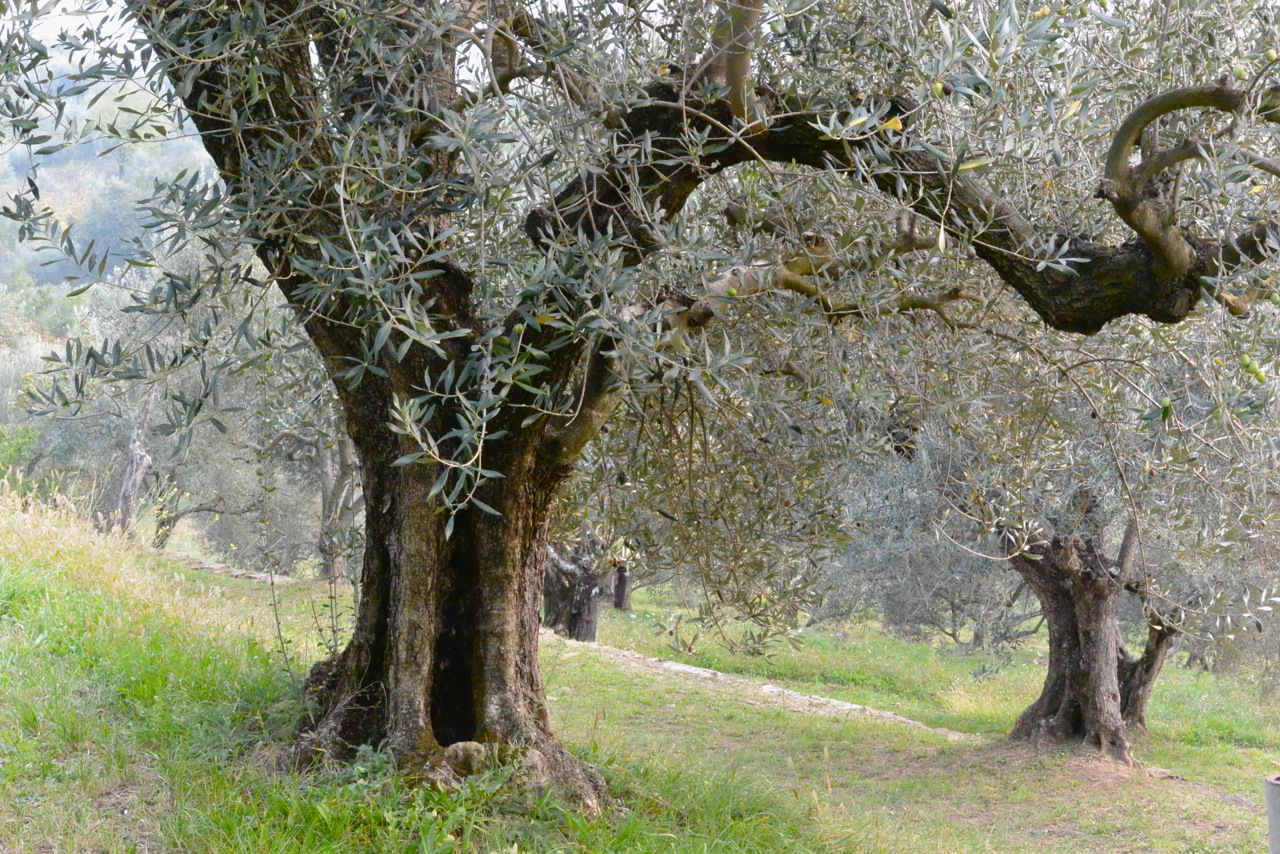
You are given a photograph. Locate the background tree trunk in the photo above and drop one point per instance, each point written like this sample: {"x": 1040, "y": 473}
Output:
{"x": 574, "y": 587}
{"x": 339, "y": 505}
{"x": 137, "y": 466}
{"x": 622, "y": 589}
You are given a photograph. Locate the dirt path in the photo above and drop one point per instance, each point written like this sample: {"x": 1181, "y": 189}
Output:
{"x": 753, "y": 692}
{"x": 187, "y": 562}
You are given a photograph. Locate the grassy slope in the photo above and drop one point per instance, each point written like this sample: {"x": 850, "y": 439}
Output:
{"x": 145, "y": 708}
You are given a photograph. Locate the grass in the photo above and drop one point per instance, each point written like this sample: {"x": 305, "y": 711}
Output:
{"x": 145, "y": 707}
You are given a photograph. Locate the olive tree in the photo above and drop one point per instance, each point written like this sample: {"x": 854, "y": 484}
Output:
{"x": 467, "y": 206}
{"x": 1106, "y": 483}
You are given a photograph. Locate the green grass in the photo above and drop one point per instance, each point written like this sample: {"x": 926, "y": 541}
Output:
{"x": 143, "y": 707}
{"x": 147, "y": 707}
{"x": 855, "y": 663}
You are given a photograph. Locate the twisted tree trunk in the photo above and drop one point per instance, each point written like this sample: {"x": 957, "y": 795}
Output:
{"x": 442, "y": 668}
{"x": 1094, "y": 691}
{"x": 1081, "y": 698}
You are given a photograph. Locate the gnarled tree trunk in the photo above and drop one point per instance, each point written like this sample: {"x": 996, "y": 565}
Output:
{"x": 444, "y": 653}
{"x": 573, "y": 588}
{"x": 1094, "y": 691}
{"x": 1081, "y": 698}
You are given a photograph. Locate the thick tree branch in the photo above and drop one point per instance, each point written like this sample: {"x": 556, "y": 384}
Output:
{"x": 600, "y": 394}
{"x": 1130, "y": 554}
{"x": 1093, "y": 285}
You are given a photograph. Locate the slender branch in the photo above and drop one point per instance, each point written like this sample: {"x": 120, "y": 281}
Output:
{"x": 541, "y": 38}
{"x": 1263, "y": 164}
{"x": 1148, "y": 169}
{"x": 298, "y": 440}
{"x": 804, "y": 271}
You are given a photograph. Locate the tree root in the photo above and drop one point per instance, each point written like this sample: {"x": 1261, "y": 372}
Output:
{"x": 537, "y": 770}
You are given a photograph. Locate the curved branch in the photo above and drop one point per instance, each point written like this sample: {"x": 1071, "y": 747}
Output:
{"x": 541, "y": 39}
{"x": 1116, "y": 168}
{"x": 1081, "y": 293}
{"x": 1147, "y": 206}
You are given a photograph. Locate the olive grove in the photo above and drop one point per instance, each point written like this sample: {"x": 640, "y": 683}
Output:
{"x": 1130, "y": 497}
{"x": 498, "y": 223}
